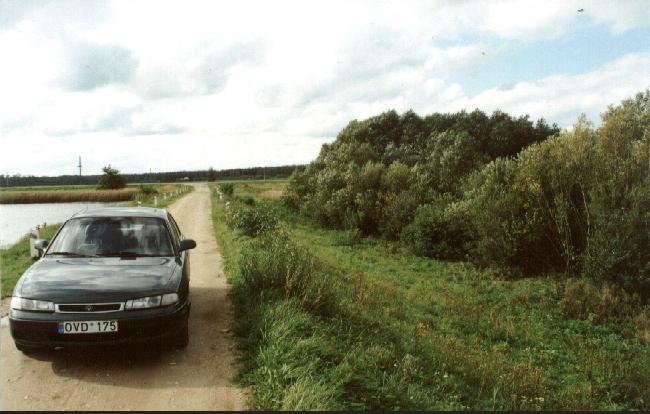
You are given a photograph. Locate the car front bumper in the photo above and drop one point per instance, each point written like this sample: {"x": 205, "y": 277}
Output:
{"x": 35, "y": 329}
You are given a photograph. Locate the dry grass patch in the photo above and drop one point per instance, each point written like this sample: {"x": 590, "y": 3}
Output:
{"x": 26, "y": 197}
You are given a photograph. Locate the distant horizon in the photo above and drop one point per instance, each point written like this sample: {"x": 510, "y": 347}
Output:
{"x": 155, "y": 172}
{"x": 193, "y": 171}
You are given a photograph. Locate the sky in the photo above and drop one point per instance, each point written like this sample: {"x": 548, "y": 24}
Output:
{"x": 187, "y": 85}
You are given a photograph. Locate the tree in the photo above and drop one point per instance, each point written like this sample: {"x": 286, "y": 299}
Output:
{"x": 212, "y": 175}
{"x": 111, "y": 179}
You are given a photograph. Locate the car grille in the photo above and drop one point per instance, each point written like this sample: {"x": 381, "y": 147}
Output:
{"x": 89, "y": 307}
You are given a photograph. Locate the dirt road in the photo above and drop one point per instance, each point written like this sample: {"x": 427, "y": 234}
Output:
{"x": 142, "y": 378}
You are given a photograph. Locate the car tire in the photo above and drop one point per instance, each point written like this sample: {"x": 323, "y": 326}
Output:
{"x": 183, "y": 338}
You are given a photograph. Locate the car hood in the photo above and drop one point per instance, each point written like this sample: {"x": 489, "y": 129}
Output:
{"x": 82, "y": 280}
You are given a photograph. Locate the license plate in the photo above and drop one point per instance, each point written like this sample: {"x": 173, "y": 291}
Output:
{"x": 83, "y": 327}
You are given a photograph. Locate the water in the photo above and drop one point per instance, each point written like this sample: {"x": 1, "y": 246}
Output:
{"x": 16, "y": 220}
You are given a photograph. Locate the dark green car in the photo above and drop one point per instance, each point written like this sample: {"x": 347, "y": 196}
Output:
{"x": 109, "y": 276}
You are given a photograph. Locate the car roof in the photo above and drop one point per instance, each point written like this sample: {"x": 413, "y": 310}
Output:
{"x": 122, "y": 212}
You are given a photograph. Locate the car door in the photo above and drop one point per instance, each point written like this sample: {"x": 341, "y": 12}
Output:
{"x": 184, "y": 255}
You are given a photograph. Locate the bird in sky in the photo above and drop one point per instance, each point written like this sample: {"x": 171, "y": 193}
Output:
{"x": 581, "y": 10}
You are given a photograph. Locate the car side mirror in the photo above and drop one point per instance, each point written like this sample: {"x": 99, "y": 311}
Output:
{"x": 187, "y": 244}
{"x": 40, "y": 245}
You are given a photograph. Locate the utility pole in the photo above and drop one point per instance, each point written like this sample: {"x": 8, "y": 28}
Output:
{"x": 79, "y": 167}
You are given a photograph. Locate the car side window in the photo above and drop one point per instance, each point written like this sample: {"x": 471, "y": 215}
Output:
{"x": 175, "y": 230}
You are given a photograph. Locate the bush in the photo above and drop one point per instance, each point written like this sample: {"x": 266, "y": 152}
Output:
{"x": 554, "y": 179}
{"x": 248, "y": 200}
{"x": 619, "y": 204}
{"x": 111, "y": 179}
{"x": 582, "y": 299}
{"x": 439, "y": 230}
{"x": 148, "y": 189}
{"x": 398, "y": 212}
{"x": 227, "y": 189}
{"x": 618, "y": 244}
{"x": 530, "y": 212}
{"x": 252, "y": 221}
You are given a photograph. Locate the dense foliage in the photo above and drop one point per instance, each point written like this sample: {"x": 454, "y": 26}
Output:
{"x": 252, "y": 221}
{"x": 326, "y": 320}
{"x": 111, "y": 179}
{"x": 496, "y": 190}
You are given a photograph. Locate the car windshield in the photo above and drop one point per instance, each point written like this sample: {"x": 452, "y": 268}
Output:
{"x": 113, "y": 236}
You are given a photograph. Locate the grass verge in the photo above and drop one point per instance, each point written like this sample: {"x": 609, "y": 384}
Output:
{"x": 16, "y": 259}
{"x": 328, "y": 321}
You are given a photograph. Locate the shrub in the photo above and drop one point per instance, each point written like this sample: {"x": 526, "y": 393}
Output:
{"x": 148, "y": 189}
{"x": 398, "y": 211}
{"x": 642, "y": 324}
{"x": 111, "y": 179}
{"x": 227, "y": 189}
{"x": 297, "y": 189}
{"x": 582, "y": 299}
{"x": 618, "y": 244}
{"x": 252, "y": 221}
{"x": 554, "y": 179}
{"x": 438, "y": 230}
{"x": 617, "y": 248}
{"x": 502, "y": 229}
{"x": 248, "y": 200}
{"x": 531, "y": 212}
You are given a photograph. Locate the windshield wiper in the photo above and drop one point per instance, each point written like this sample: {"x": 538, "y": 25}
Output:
{"x": 71, "y": 254}
{"x": 126, "y": 254}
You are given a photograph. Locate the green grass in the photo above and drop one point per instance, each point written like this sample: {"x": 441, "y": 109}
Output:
{"x": 16, "y": 259}
{"x": 405, "y": 332}
{"x": 165, "y": 194}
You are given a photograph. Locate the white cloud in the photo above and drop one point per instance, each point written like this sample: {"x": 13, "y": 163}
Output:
{"x": 183, "y": 85}
{"x": 561, "y": 97}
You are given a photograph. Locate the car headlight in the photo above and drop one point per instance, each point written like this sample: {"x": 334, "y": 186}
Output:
{"x": 169, "y": 299}
{"x": 151, "y": 302}
{"x": 31, "y": 305}
{"x": 143, "y": 303}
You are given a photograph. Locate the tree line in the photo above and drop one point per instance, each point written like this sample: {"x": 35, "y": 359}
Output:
{"x": 252, "y": 173}
{"x": 494, "y": 189}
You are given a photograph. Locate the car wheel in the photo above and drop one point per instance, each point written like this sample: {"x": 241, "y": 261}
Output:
{"x": 183, "y": 337}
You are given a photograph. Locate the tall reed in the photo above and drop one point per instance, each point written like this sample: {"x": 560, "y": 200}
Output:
{"x": 26, "y": 197}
